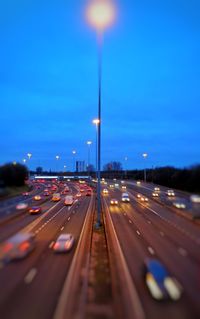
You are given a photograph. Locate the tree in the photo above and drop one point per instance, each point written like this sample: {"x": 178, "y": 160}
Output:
{"x": 13, "y": 174}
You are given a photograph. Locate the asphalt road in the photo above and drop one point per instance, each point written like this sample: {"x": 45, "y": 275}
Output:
{"x": 153, "y": 230}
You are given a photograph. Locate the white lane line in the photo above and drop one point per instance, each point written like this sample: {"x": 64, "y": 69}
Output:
{"x": 51, "y": 244}
{"x": 182, "y": 252}
{"x": 130, "y": 221}
{"x": 62, "y": 228}
{"x": 137, "y": 231}
{"x": 150, "y": 249}
{"x": 148, "y": 221}
{"x": 162, "y": 234}
{"x": 30, "y": 276}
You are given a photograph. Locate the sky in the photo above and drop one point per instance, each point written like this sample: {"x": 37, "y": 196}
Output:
{"x": 150, "y": 83}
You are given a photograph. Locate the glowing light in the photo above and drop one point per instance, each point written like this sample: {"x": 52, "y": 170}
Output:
{"x": 101, "y": 13}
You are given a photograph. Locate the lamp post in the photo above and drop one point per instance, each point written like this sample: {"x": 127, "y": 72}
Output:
{"x": 89, "y": 143}
{"x": 74, "y": 154}
{"x": 100, "y": 14}
{"x": 126, "y": 159}
{"x": 145, "y": 175}
{"x": 29, "y": 157}
{"x": 57, "y": 159}
{"x": 96, "y": 122}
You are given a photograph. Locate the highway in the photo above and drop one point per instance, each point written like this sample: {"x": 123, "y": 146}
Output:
{"x": 33, "y": 287}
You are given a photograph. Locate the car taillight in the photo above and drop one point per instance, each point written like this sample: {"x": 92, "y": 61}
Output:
{"x": 56, "y": 245}
{"x": 7, "y": 247}
{"x": 24, "y": 246}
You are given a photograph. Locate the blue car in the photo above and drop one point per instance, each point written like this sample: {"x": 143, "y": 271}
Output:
{"x": 160, "y": 284}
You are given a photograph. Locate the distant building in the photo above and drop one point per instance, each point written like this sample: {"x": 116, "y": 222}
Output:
{"x": 80, "y": 166}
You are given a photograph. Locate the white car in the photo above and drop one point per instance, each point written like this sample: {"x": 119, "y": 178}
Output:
{"x": 157, "y": 189}
{"x": 195, "y": 199}
{"x": 123, "y": 186}
{"x": 125, "y": 198}
{"x": 63, "y": 243}
{"x": 21, "y": 206}
{"x": 69, "y": 200}
{"x": 138, "y": 183}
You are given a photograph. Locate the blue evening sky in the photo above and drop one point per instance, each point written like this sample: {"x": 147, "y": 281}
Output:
{"x": 151, "y": 77}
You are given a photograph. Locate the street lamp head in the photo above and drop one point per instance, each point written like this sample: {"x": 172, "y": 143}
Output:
{"x": 96, "y": 121}
{"x": 73, "y": 152}
{"x": 145, "y": 155}
{"x": 101, "y": 13}
{"x": 57, "y": 157}
{"x": 29, "y": 155}
{"x": 89, "y": 142}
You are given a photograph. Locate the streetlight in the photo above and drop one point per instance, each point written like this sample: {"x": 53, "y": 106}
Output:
{"x": 96, "y": 122}
{"x": 100, "y": 15}
{"x": 126, "y": 159}
{"x": 24, "y": 160}
{"x": 29, "y": 157}
{"x": 74, "y": 154}
{"x": 145, "y": 175}
{"x": 57, "y": 159}
{"x": 89, "y": 143}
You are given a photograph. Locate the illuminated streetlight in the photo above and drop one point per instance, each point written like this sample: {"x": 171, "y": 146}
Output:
{"x": 24, "y": 160}
{"x": 145, "y": 175}
{"x": 100, "y": 15}
{"x": 89, "y": 143}
{"x": 74, "y": 155}
{"x": 126, "y": 159}
{"x": 29, "y": 155}
{"x": 96, "y": 122}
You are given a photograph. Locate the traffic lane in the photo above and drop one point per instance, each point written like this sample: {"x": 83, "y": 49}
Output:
{"x": 135, "y": 250}
{"x": 163, "y": 198}
{"x": 183, "y": 243}
{"x": 14, "y": 225}
{"x": 184, "y": 225}
{"x": 18, "y": 270}
{"x": 167, "y": 252}
{"x": 51, "y": 271}
{"x": 10, "y": 209}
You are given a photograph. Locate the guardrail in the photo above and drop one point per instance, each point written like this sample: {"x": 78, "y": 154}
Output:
{"x": 124, "y": 291}
{"x": 73, "y": 297}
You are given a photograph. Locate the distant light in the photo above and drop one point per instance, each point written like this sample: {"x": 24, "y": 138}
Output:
{"x": 57, "y": 157}
{"x": 24, "y": 160}
{"x": 101, "y": 13}
{"x": 14, "y": 163}
{"x": 89, "y": 142}
{"x": 145, "y": 155}
{"x": 74, "y": 152}
{"x": 29, "y": 155}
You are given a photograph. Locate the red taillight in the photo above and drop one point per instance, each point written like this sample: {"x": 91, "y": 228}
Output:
{"x": 56, "y": 245}
{"x": 7, "y": 247}
{"x": 24, "y": 246}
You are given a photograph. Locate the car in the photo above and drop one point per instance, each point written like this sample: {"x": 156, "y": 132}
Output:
{"x": 116, "y": 185}
{"x": 160, "y": 284}
{"x": 138, "y": 183}
{"x": 25, "y": 193}
{"x": 68, "y": 200}
{"x": 157, "y": 189}
{"x": 170, "y": 193}
{"x": 46, "y": 193}
{"x": 179, "y": 204}
{"x": 37, "y": 197}
{"x": 56, "y": 197}
{"x": 35, "y": 210}
{"x": 114, "y": 201}
{"x": 105, "y": 191}
{"x": 78, "y": 194}
{"x": 17, "y": 247}
{"x": 123, "y": 187}
{"x": 155, "y": 194}
{"x": 64, "y": 243}
{"x": 111, "y": 185}
{"x": 195, "y": 199}
{"x": 125, "y": 198}
{"x": 21, "y": 206}
{"x": 144, "y": 199}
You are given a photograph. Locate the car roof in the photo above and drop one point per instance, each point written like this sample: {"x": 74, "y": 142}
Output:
{"x": 125, "y": 194}
{"x": 156, "y": 268}
{"x": 64, "y": 236}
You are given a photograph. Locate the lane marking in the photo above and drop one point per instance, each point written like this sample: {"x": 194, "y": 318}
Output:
{"x": 137, "y": 231}
{"x": 30, "y": 276}
{"x": 130, "y": 221}
{"x": 162, "y": 234}
{"x": 62, "y": 228}
{"x": 182, "y": 252}
{"x": 68, "y": 218}
{"x": 150, "y": 249}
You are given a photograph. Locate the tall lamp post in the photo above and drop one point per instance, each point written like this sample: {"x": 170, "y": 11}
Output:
{"x": 100, "y": 14}
{"x": 145, "y": 174}
{"x": 89, "y": 143}
{"x": 57, "y": 159}
{"x": 96, "y": 122}
{"x": 126, "y": 159}
{"x": 74, "y": 154}
{"x": 29, "y": 157}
